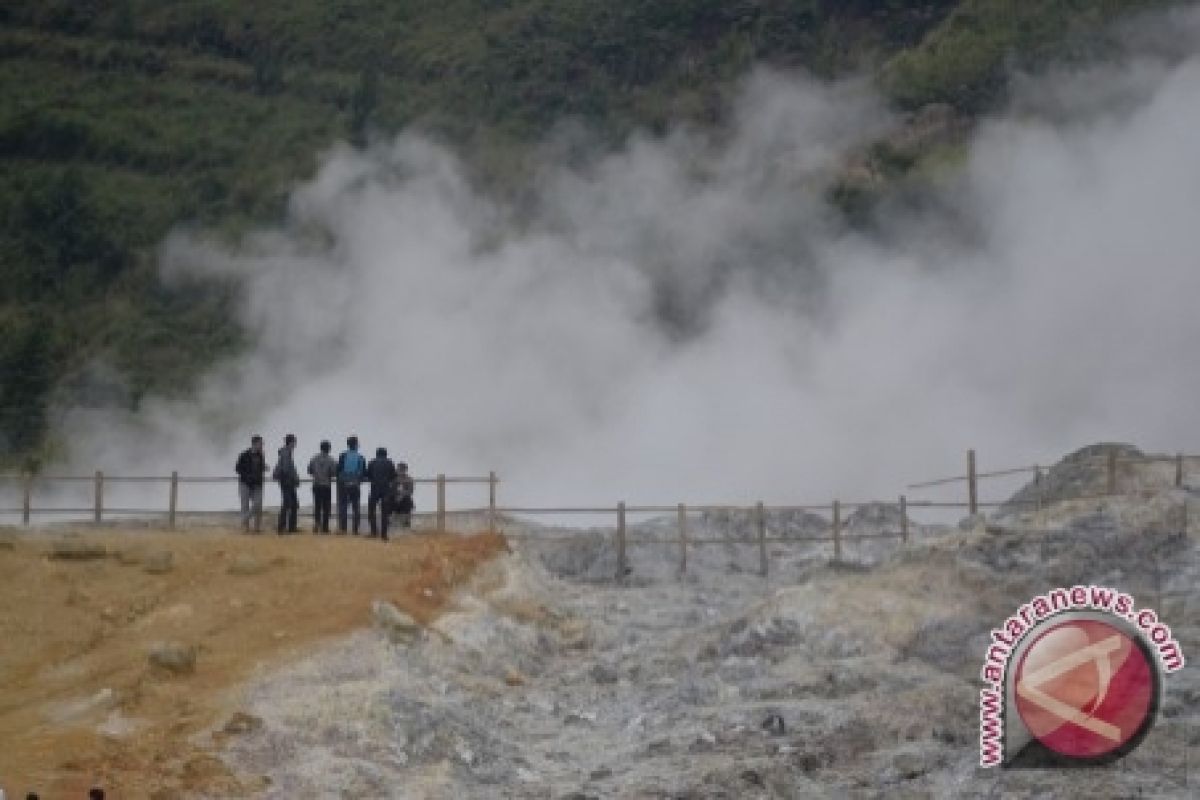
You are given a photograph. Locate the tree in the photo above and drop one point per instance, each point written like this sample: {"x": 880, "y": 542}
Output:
{"x": 363, "y": 105}
{"x": 268, "y": 69}
{"x": 26, "y": 369}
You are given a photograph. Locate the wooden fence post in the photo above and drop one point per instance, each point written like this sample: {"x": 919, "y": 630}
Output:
{"x": 441, "y": 502}
{"x": 972, "y": 484}
{"x": 1037, "y": 489}
{"x": 492, "y": 501}
{"x": 27, "y": 501}
{"x": 837, "y": 531}
{"x": 682, "y": 539}
{"x": 99, "y": 496}
{"x": 622, "y": 566}
{"x": 1179, "y": 469}
{"x": 1112, "y": 471}
{"x": 903, "y": 519}
{"x": 173, "y": 501}
{"x": 761, "y": 520}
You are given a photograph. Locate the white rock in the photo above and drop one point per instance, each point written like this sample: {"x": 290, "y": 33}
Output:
{"x": 398, "y": 626}
{"x": 173, "y": 657}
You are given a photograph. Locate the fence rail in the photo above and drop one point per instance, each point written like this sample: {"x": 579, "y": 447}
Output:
{"x": 99, "y": 480}
{"x": 757, "y": 512}
{"x": 196, "y": 478}
{"x": 1111, "y": 460}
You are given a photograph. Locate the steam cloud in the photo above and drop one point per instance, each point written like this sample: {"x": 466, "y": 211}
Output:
{"x": 688, "y": 320}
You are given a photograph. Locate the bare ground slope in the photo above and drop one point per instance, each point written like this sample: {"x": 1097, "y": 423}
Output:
{"x": 80, "y": 701}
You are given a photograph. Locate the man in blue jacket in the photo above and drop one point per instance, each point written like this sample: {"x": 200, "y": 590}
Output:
{"x": 352, "y": 468}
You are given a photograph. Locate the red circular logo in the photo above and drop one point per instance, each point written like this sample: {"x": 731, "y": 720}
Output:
{"x": 1086, "y": 689}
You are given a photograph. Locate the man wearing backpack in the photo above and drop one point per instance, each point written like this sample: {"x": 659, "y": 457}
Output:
{"x": 251, "y": 464}
{"x": 288, "y": 478}
{"x": 323, "y": 470}
{"x": 351, "y": 469}
{"x": 381, "y": 472}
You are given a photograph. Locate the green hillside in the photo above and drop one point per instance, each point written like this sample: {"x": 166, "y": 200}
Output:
{"x": 122, "y": 119}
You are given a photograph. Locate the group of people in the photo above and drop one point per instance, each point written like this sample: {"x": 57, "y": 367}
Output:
{"x": 390, "y": 487}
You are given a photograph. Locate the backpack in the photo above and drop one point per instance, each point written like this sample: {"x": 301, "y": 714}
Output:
{"x": 353, "y": 467}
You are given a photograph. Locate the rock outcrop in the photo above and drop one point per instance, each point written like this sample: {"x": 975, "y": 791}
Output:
{"x": 399, "y": 627}
{"x": 173, "y": 657}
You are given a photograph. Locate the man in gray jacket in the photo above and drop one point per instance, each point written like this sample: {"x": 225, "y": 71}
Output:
{"x": 289, "y": 480}
{"x": 323, "y": 469}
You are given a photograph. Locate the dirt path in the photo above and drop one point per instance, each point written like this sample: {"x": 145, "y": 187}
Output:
{"x": 81, "y": 704}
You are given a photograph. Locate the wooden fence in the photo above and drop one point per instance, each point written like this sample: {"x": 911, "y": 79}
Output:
{"x": 1111, "y": 461}
{"x": 172, "y": 511}
{"x": 756, "y": 512}
{"x": 492, "y": 512}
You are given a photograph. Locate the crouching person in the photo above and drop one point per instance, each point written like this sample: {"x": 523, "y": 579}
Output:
{"x": 402, "y": 496}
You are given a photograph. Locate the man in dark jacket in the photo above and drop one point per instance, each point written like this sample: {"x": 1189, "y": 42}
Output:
{"x": 250, "y": 468}
{"x": 289, "y": 481}
{"x": 351, "y": 469}
{"x": 323, "y": 469}
{"x": 381, "y": 472}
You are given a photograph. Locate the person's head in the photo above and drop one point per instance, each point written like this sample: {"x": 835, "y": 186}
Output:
{"x": 326, "y": 447}
{"x": 352, "y": 442}
{"x": 402, "y": 467}
{"x": 381, "y": 452}
{"x": 95, "y": 793}
{"x": 256, "y": 443}
{"x": 32, "y": 796}
{"x": 289, "y": 440}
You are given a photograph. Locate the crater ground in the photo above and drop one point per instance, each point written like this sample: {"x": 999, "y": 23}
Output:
{"x": 853, "y": 678}
{"x": 526, "y": 669}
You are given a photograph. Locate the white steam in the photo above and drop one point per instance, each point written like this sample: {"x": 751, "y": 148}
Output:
{"x": 688, "y": 320}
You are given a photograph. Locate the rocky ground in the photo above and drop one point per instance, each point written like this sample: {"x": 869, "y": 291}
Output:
{"x": 856, "y": 678}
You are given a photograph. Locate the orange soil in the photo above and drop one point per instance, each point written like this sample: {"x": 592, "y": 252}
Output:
{"x": 74, "y": 637}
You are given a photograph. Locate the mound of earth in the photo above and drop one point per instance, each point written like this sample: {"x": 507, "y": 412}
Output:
{"x": 122, "y": 653}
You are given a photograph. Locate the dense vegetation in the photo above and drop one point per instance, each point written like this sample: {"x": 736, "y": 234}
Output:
{"x": 123, "y": 118}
